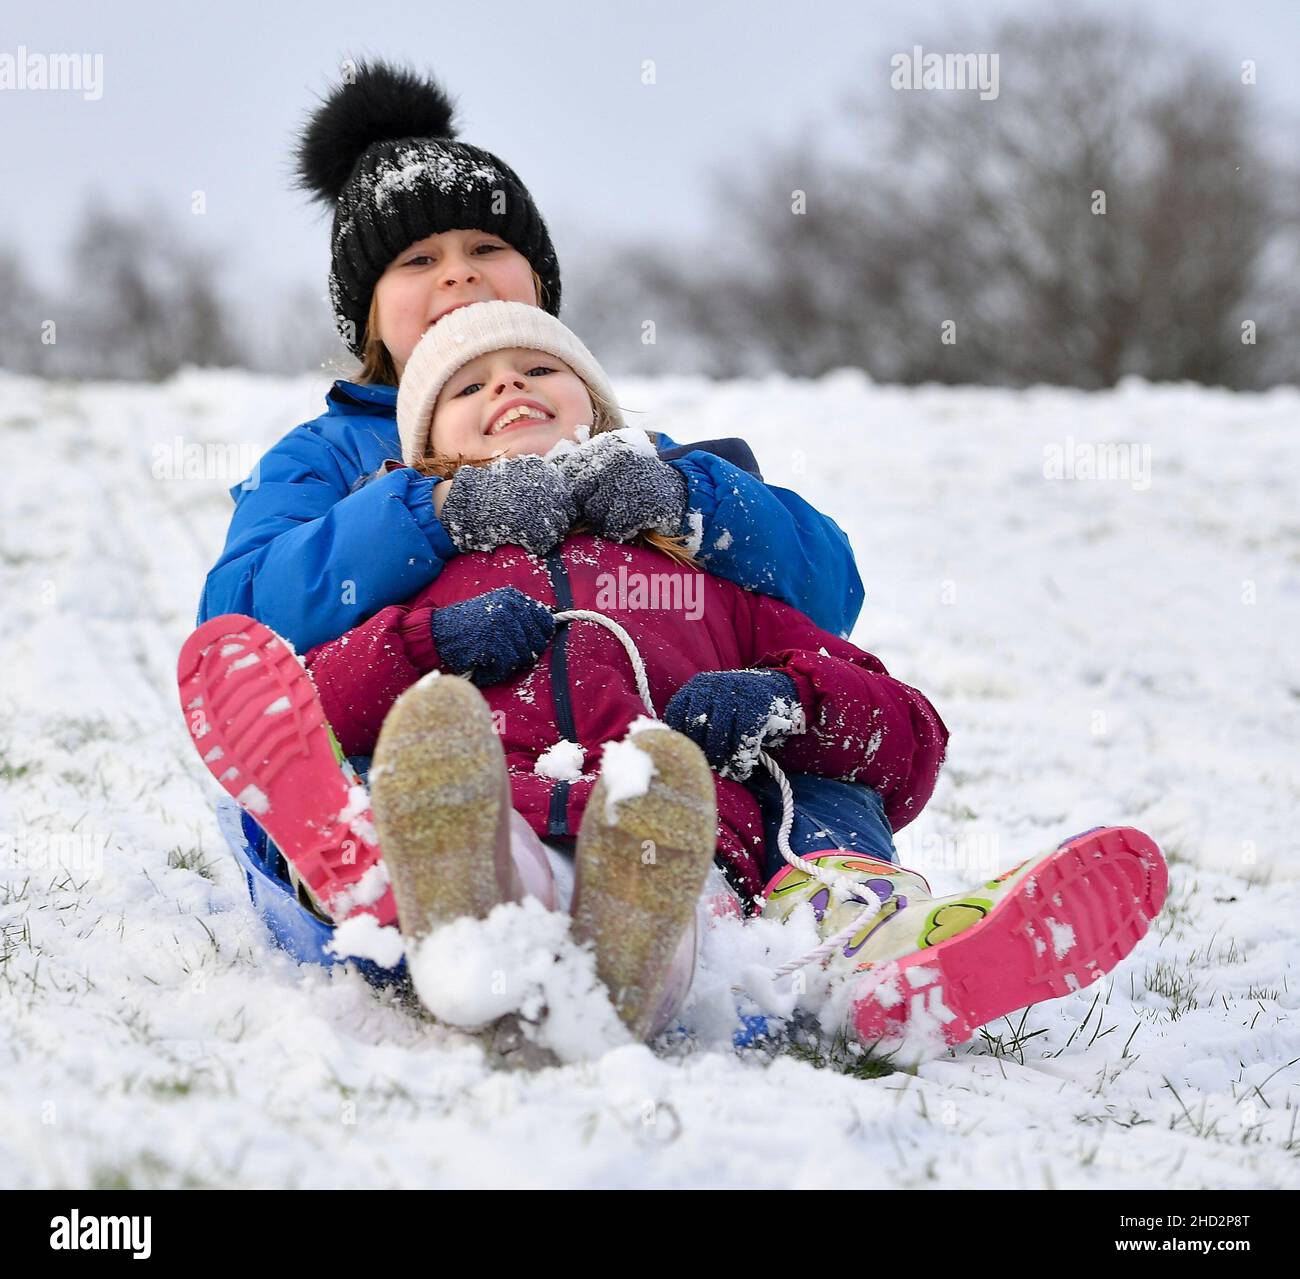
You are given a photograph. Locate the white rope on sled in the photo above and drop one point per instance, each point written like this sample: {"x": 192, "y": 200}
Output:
{"x": 835, "y": 881}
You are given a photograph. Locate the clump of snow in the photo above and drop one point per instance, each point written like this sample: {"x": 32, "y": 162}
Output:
{"x": 520, "y": 959}
{"x": 597, "y": 453}
{"x": 916, "y": 1035}
{"x": 561, "y": 762}
{"x": 626, "y": 771}
{"x": 738, "y": 953}
{"x": 918, "y": 975}
{"x": 922, "y": 1036}
{"x": 356, "y": 813}
{"x": 785, "y": 718}
{"x": 367, "y": 890}
{"x": 1062, "y": 937}
{"x": 693, "y": 538}
{"x": 364, "y": 937}
{"x": 254, "y": 799}
{"x": 561, "y": 447}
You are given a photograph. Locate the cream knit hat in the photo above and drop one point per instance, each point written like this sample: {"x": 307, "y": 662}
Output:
{"x": 464, "y": 335}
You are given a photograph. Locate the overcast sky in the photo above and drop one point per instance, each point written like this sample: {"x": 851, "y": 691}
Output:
{"x": 199, "y": 97}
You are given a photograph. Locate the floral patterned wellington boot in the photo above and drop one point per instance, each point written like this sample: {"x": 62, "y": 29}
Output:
{"x": 933, "y": 970}
{"x": 893, "y": 886}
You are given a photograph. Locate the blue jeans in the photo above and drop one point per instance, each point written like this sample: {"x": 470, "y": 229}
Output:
{"x": 827, "y": 814}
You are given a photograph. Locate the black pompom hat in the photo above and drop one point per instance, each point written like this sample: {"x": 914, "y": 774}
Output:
{"x": 382, "y": 150}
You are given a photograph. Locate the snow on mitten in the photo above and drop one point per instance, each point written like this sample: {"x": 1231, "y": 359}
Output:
{"x": 732, "y": 715}
{"x": 623, "y": 488}
{"x": 515, "y": 501}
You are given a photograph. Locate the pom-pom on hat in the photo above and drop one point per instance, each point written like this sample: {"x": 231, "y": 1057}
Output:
{"x": 468, "y": 332}
{"x": 382, "y": 150}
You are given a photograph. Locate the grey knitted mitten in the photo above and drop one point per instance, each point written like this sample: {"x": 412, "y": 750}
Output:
{"x": 622, "y": 490}
{"x": 516, "y": 501}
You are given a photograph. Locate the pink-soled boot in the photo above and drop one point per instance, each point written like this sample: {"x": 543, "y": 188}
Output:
{"x": 258, "y": 725}
{"x": 938, "y": 969}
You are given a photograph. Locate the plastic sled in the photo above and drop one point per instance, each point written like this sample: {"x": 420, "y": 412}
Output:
{"x": 297, "y": 931}
{"x": 293, "y": 927}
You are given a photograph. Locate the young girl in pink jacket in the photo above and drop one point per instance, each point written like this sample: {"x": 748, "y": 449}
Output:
{"x": 506, "y": 707}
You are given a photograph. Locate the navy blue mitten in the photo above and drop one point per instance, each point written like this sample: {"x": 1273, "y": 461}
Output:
{"x": 732, "y": 715}
{"x": 493, "y": 636}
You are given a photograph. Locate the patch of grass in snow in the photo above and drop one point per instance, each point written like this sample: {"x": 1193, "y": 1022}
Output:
{"x": 191, "y": 859}
{"x": 15, "y": 892}
{"x": 9, "y": 771}
{"x": 1134, "y": 1120}
{"x": 13, "y": 938}
{"x": 1100, "y": 1030}
{"x": 1196, "y": 1122}
{"x": 1177, "y": 912}
{"x": 73, "y": 731}
{"x": 1013, "y": 1045}
{"x": 16, "y": 559}
{"x": 1228, "y": 954}
{"x": 1175, "y": 983}
{"x": 145, "y": 1172}
{"x": 842, "y": 1054}
{"x": 1262, "y": 992}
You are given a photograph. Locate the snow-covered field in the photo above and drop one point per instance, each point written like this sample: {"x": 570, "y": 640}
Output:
{"x": 1104, "y": 650}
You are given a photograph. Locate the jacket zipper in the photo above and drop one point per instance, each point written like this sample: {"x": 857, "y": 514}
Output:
{"x": 558, "y": 818}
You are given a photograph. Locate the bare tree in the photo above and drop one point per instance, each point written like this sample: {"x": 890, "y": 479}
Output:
{"x": 22, "y": 313}
{"x": 299, "y": 335}
{"x": 1112, "y": 211}
{"x": 141, "y": 302}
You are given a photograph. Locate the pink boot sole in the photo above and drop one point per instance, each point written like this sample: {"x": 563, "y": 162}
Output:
{"x": 1073, "y": 917}
{"x": 257, "y": 723}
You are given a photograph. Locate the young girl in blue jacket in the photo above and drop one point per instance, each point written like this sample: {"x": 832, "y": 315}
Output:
{"x": 422, "y": 224}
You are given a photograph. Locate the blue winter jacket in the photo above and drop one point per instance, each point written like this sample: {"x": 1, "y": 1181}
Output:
{"x": 313, "y": 550}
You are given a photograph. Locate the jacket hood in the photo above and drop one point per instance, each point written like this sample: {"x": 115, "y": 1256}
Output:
{"x": 352, "y": 397}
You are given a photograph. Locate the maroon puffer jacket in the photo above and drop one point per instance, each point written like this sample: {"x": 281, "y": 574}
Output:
{"x": 863, "y": 725}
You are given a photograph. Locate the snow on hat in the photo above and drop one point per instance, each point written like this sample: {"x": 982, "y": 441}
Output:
{"x": 466, "y": 333}
{"x": 382, "y": 151}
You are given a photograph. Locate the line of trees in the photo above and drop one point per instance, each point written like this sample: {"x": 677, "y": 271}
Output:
{"x": 1124, "y": 205}
{"x": 142, "y": 302}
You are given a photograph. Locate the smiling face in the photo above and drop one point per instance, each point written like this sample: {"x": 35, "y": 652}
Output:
{"x": 508, "y": 403}
{"x": 439, "y": 273}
